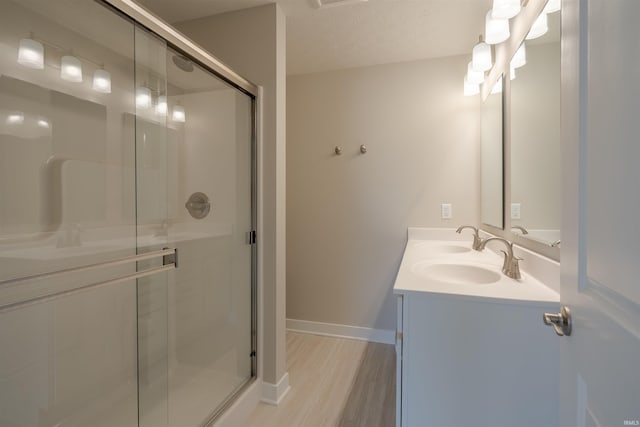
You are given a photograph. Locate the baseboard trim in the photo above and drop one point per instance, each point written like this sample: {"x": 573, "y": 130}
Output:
{"x": 383, "y": 336}
{"x": 272, "y": 394}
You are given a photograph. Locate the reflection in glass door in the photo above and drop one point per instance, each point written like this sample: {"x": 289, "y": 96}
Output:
{"x": 116, "y": 149}
{"x": 194, "y": 193}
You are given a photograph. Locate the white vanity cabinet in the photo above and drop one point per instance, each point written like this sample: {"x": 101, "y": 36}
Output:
{"x": 473, "y": 354}
{"x": 465, "y": 362}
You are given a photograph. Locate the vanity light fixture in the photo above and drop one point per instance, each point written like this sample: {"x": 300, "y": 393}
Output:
{"x": 540, "y": 27}
{"x": 179, "y": 114}
{"x": 482, "y": 59}
{"x": 496, "y": 30}
{"x": 102, "y": 81}
{"x": 473, "y": 76}
{"x": 161, "y": 106}
{"x": 505, "y": 9}
{"x": 552, "y": 6}
{"x": 470, "y": 89}
{"x": 520, "y": 57}
{"x": 143, "y": 97}
{"x": 31, "y": 54}
{"x": 71, "y": 69}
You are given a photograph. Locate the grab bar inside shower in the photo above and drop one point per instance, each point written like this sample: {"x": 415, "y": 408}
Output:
{"x": 170, "y": 262}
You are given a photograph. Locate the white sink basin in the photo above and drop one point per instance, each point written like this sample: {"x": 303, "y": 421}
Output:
{"x": 458, "y": 274}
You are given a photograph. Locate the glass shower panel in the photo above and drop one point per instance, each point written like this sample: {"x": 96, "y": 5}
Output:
{"x": 209, "y": 213}
{"x": 67, "y": 200}
{"x": 152, "y": 184}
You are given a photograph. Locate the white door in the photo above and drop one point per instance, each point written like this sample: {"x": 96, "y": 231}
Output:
{"x": 600, "y": 361}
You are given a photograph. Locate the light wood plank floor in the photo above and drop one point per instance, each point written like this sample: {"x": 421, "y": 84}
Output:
{"x": 334, "y": 382}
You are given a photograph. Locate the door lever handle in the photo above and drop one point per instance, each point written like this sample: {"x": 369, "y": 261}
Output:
{"x": 561, "y": 322}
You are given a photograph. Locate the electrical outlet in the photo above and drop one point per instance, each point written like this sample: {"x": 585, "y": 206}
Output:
{"x": 515, "y": 210}
{"x": 445, "y": 211}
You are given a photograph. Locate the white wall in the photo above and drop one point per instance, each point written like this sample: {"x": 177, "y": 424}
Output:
{"x": 252, "y": 43}
{"x": 347, "y": 216}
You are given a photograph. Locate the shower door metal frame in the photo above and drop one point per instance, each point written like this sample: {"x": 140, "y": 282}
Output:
{"x": 181, "y": 43}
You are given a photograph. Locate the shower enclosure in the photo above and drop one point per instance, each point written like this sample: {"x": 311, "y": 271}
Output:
{"x": 127, "y": 221}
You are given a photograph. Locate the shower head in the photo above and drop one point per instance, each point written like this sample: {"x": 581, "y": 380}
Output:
{"x": 183, "y": 63}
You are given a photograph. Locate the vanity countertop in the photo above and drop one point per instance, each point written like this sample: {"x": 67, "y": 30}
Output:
{"x": 440, "y": 261}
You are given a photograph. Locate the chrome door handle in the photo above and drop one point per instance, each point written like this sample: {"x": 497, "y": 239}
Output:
{"x": 561, "y": 322}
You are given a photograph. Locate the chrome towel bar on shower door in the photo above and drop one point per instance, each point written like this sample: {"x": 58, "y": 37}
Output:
{"x": 169, "y": 255}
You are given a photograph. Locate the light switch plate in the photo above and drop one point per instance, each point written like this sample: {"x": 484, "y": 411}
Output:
{"x": 445, "y": 211}
{"x": 515, "y": 210}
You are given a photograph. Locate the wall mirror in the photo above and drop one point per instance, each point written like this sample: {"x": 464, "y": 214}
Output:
{"x": 536, "y": 193}
{"x": 491, "y": 158}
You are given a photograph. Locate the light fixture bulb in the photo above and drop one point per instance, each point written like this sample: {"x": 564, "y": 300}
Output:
{"x": 540, "y": 27}
{"x": 470, "y": 89}
{"x": 102, "y": 81}
{"x": 495, "y": 30}
{"x": 473, "y": 76}
{"x": 179, "y": 114}
{"x": 505, "y": 9}
{"x": 520, "y": 57}
{"x": 31, "y": 54}
{"x": 497, "y": 87}
{"x": 15, "y": 118}
{"x": 143, "y": 98}
{"x": 71, "y": 69}
{"x": 552, "y": 6}
{"x": 482, "y": 59}
{"x": 161, "y": 106}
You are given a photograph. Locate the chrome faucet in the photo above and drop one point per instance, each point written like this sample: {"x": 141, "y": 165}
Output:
{"x": 477, "y": 241}
{"x": 510, "y": 267}
{"x": 521, "y": 228}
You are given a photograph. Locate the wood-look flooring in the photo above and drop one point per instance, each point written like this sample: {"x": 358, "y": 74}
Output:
{"x": 334, "y": 382}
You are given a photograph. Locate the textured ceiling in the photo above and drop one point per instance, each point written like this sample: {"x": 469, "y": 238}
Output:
{"x": 360, "y": 34}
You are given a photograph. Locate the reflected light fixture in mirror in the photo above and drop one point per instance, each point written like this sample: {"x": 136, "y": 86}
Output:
{"x": 482, "y": 59}
{"x": 15, "y": 118}
{"x": 43, "y": 122}
{"x": 71, "y": 69}
{"x": 495, "y": 30}
{"x": 539, "y": 28}
{"x": 143, "y": 98}
{"x": 505, "y": 9}
{"x": 179, "y": 114}
{"x": 102, "y": 81}
{"x": 161, "y": 106}
{"x": 31, "y": 54}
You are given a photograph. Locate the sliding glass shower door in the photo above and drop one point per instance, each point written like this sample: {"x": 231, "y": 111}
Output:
{"x": 126, "y": 196}
{"x": 194, "y": 193}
